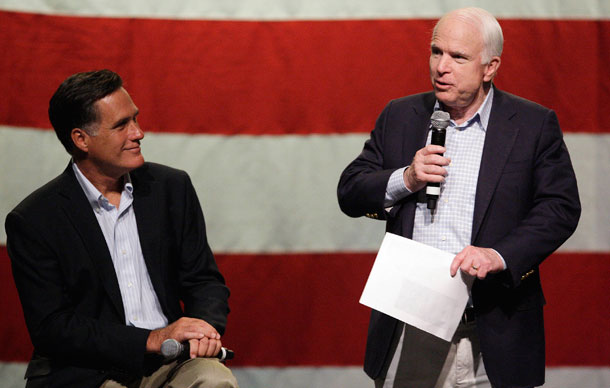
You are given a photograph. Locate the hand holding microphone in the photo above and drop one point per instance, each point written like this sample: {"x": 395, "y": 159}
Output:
{"x": 439, "y": 122}
{"x": 172, "y": 349}
{"x": 427, "y": 168}
{"x": 203, "y": 339}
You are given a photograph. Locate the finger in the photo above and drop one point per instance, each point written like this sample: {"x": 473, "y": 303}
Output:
{"x": 468, "y": 270}
{"x": 216, "y": 348}
{"x": 212, "y": 334}
{"x": 433, "y": 172}
{"x": 436, "y": 159}
{"x": 204, "y": 344}
{"x": 209, "y": 330}
{"x": 188, "y": 335}
{"x": 192, "y": 329}
{"x": 427, "y": 173}
{"x": 213, "y": 347}
{"x": 467, "y": 267}
{"x": 433, "y": 149}
{"x": 194, "y": 348}
{"x": 455, "y": 264}
{"x": 199, "y": 331}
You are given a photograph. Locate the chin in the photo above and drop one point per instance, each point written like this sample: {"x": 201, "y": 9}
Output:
{"x": 136, "y": 163}
{"x": 444, "y": 99}
{"x": 140, "y": 163}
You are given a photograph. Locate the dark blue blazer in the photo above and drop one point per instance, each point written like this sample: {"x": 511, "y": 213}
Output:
{"x": 526, "y": 206}
{"x": 68, "y": 286}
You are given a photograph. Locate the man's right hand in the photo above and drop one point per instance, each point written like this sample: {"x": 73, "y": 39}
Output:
{"x": 203, "y": 338}
{"x": 427, "y": 166}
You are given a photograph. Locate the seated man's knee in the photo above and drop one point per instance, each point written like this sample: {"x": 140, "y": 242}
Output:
{"x": 203, "y": 373}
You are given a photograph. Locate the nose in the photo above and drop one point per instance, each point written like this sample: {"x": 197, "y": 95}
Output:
{"x": 442, "y": 66}
{"x": 135, "y": 132}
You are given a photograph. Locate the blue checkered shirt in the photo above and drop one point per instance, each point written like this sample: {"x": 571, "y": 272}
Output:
{"x": 452, "y": 227}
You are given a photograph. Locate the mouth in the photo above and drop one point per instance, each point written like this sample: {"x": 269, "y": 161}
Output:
{"x": 441, "y": 85}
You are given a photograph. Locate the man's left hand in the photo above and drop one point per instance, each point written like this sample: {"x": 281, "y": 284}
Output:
{"x": 477, "y": 262}
{"x": 205, "y": 347}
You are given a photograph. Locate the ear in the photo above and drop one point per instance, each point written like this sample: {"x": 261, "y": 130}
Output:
{"x": 80, "y": 138}
{"x": 491, "y": 69}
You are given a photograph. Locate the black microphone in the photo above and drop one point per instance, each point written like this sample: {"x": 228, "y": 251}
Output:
{"x": 439, "y": 122}
{"x": 172, "y": 349}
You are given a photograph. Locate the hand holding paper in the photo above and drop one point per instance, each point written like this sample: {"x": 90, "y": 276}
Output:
{"x": 411, "y": 282}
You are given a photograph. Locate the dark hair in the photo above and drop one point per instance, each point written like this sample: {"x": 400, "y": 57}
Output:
{"x": 72, "y": 104}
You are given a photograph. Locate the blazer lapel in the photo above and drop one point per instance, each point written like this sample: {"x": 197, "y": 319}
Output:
{"x": 499, "y": 141}
{"x": 78, "y": 210}
{"x": 146, "y": 199}
{"x": 417, "y": 128}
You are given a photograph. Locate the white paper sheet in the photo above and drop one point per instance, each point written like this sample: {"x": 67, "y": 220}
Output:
{"x": 410, "y": 281}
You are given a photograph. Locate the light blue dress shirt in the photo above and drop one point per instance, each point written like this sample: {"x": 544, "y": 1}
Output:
{"x": 140, "y": 302}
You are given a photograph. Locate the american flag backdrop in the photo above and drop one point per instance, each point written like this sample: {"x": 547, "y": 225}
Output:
{"x": 263, "y": 103}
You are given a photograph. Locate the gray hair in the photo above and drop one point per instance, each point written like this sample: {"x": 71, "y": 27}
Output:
{"x": 493, "y": 40}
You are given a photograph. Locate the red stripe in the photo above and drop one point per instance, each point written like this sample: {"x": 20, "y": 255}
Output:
{"x": 577, "y": 317}
{"x": 302, "y": 309}
{"x": 15, "y": 342}
{"x": 305, "y": 77}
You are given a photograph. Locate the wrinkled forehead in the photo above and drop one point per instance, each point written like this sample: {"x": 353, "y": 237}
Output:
{"x": 458, "y": 30}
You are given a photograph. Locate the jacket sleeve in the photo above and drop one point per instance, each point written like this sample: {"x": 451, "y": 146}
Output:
{"x": 362, "y": 185}
{"x": 554, "y": 205}
{"x": 202, "y": 286}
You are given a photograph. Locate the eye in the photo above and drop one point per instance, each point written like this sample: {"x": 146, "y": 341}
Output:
{"x": 460, "y": 58}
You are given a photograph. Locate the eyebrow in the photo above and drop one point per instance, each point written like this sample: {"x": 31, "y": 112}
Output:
{"x": 452, "y": 53}
{"x": 125, "y": 120}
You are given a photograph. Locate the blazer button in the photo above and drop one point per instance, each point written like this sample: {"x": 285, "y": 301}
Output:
{"x": 529, "y": 273}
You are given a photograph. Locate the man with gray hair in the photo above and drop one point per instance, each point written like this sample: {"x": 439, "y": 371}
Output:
{"x": 508, "y": 199}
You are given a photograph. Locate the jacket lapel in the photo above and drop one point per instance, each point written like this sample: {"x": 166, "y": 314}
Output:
{"x": 421, "y": 126}
{"x": 499, "y": 141}
{"x": 146, "y": 198}
{"x": 416, "y": 127}
{"x": 80, "y": 214}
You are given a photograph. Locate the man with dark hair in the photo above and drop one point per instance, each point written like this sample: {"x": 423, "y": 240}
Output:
{"x": 104, "y": 254}
{"x": 508, "y": 199}
{"x": 73, "y": 104}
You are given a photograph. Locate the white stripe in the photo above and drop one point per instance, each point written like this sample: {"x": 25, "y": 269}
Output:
{"x": 354, "y": 377}
{"x": 11, "y": 375}
{"x": 311, "y": 9}
{"x": 278, "y": 193}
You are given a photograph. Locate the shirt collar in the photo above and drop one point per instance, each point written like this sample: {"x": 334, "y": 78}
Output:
{"x": 482, "y": 114}
{"x": 94, "y": 196}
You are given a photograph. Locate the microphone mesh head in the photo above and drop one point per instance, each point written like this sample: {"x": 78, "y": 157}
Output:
{"x": 170, "y": 348}
{"x": 440, "y": 119}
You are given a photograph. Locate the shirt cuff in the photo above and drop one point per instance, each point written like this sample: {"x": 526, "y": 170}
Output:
{"x": 503, "y": 261}
{"x": 396, "y": 188}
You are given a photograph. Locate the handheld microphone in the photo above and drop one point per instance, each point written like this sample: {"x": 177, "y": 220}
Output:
{"x": 439, "y": 122}
{"x": 172, "y": 349}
